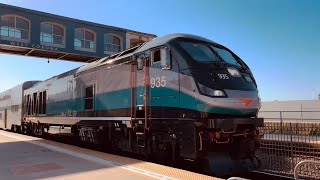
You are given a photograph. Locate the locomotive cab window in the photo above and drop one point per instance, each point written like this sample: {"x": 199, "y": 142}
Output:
{"x": 156, "y": 58}
{"x": 89, "y": 97}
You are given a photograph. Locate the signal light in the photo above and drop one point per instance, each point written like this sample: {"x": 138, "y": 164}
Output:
{"x": 234, "y": 72}
{"x": 211, "y": 135}
{"x": 218, "y": 93}
{"x": 218, "y": 135}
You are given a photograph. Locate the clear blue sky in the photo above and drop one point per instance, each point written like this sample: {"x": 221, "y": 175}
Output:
{"x": 279, "y": 40}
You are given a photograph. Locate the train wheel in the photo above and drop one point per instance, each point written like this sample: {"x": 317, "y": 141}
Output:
{"x": 24, "y": 128}
{"x": 15, "y": 128}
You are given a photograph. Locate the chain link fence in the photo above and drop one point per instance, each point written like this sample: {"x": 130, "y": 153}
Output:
{"x": 286, "y": 142}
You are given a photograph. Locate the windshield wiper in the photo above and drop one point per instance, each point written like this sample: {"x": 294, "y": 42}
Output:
{"x": 244, "y": 70}
{"x": 217, "y": 55}
{"x": 217, "y": 63}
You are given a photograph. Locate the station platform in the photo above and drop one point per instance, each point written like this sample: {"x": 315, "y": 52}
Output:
{"x": 25, "y": 157}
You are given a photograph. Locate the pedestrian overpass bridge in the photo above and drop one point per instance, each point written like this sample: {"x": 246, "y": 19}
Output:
{"x": 39, "y": 34}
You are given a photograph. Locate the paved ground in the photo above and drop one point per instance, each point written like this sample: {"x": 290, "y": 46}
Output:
{"x": 24, "y": 157}
{"x": 22, "y": 161}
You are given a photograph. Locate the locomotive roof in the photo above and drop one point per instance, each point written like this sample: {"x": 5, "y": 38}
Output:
{"x": 167, "y": 38}
{"x": 138, "y": 49}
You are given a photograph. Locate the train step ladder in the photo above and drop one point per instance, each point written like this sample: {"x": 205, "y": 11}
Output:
{"x": 140, "y": 139}
{"x": 140, "y": 134}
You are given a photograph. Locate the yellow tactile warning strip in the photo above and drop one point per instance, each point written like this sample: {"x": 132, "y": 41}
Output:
{"x": 149, "y": 169}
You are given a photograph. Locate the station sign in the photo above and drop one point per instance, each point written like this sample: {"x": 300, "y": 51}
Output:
{"x": 34, "y": 46}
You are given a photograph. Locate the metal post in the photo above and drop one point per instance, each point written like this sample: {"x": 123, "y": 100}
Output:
{"x": 281, "y": 122}
{"x": 291, "y": 146}
{"x": 301, "y": 113}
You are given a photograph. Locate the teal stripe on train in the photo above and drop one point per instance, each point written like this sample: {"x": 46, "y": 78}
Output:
{"x": 159, "y": 97}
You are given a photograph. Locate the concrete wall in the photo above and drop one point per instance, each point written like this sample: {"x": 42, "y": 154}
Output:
{"x": 302, "y": 110}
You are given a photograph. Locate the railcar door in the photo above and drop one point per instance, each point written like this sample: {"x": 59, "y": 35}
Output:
{"x": 154, "y": 89}
{"x": 164, "y": 86}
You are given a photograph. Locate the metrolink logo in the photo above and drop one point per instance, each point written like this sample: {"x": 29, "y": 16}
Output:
{"x": 36, "y": 46}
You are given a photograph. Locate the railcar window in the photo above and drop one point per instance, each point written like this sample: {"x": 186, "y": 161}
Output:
{"x": 199, "y": 52}
{"x": 28, "y": 105}
{"x": 226, "y": 56}
{"x": 31, "y": 105}
{"x": 89, "y": 98}
{"x": 44, "y": 104}
{"x": 24, "y": 104}
{"x": 34, "y": 103}
{"x": 0, "y": 115}
{"x": 37, "y": 104}
{"x": 40, "y": 103}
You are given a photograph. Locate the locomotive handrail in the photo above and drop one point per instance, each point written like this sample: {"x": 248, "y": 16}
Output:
{"x": 222, "y": 142}
{"x": 237, "y": 178}
{"x": 200, "y": 139}
{"x": 295, "y": 172}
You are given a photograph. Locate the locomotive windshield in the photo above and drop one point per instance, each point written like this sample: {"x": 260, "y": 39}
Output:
{"x": 226, "y": 55}
{"x": 199, "y": 52}
{"x": 233, "y": 74}
{"x": 209, "y": 53}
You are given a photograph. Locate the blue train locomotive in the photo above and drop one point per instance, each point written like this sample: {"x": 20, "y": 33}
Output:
{"x": 177, "y": 97}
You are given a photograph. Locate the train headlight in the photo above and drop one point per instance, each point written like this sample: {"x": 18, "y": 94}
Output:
{"x": 233, "y": 72}
{"x": 211, "y": 92}
{"x": 218, "y": 93}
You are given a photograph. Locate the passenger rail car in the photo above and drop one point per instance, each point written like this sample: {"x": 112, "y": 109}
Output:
{"x": 11, "y": 106}
{"x": 176, "y": 97}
